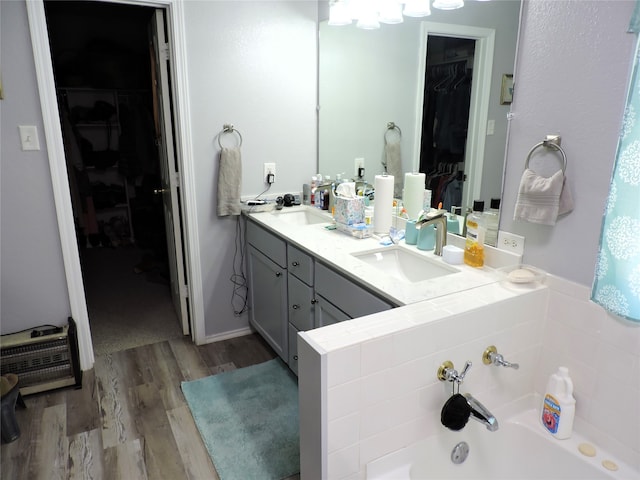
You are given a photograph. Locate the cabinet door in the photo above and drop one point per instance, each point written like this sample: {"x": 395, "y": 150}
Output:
{"x": 268, "y": 297}
{"x": 301, "y": 304}
{"x": 293, "y": 349}
{"x": 327, "y": 313}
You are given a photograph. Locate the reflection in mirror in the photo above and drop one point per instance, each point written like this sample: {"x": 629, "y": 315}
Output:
{"x": 368, "y": 78}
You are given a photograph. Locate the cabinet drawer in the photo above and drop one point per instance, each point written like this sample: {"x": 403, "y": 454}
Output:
{"x": 300, "y": 264}
{"x": 300, "y": 304}
{"x": 352, "y": 299}
{"x": 271, "y": 245}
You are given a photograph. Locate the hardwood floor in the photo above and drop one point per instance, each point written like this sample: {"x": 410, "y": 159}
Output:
{"x": 130, "y": 420}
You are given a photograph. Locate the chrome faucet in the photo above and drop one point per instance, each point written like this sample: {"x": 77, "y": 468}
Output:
{"x": 480, "y": 413}
{"x": 440, "y": 221}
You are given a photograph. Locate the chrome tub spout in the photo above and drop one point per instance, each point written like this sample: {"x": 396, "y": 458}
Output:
{"x": 480, "y": 413}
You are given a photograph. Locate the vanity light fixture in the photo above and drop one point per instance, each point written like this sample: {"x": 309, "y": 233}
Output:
{"x": 370, "y": 13}
{"x": 339, "y": 14}
{"x": 417, "y": 8}
{"x": 448, "y": 4}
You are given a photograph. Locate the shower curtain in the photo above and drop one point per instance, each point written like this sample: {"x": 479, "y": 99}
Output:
{"x": 616, "y": 286}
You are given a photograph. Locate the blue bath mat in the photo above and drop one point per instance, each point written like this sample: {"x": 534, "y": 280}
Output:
{"x": 248, "y": 420}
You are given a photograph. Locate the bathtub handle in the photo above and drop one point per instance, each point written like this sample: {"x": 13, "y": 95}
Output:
{"x": 492, "y": 357}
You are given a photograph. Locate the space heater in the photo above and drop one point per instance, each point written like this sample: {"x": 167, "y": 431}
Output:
{"x": 43, "y": 359}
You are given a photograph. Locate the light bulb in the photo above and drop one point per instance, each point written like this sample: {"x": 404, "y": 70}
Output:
{"x": 417, "y": 8}
{"x": 448, "y": 4}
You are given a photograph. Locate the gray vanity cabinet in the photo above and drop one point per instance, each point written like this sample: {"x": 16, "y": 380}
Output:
{"x": 291, "y": 291}
{"x": 266, "y": 264}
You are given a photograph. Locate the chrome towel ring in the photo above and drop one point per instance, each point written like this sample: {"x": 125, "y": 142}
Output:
{"x": 552, "y": 142}
{"x": 391, "y": 126}
{"x": 229, "y": 128}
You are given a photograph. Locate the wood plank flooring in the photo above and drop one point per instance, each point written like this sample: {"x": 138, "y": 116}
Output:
{"x": 130, "y": 420}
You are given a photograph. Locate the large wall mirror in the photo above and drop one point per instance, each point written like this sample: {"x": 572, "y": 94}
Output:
{"x": 398, "y": 73}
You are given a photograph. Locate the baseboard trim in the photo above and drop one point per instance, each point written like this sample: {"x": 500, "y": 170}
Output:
{"x": 225, "y": 335}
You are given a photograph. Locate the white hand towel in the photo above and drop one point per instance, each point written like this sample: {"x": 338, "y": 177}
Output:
{"x": 229, "y": 180}
{"x": 393, "y": 161}
{"x": 539, "y": 198}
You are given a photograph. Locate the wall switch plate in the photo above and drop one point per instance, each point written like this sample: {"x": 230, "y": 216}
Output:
{"x": 269, "y": 168}
{"x": 29, "y": 137}
{"x": 358, "y": 163}
{"x": 511, "y": 242}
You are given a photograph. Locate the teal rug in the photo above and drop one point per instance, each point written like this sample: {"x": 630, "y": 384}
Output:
{"x": 248, "y": 419}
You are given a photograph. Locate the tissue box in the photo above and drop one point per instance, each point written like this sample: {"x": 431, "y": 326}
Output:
{"x": 349, "y": 211}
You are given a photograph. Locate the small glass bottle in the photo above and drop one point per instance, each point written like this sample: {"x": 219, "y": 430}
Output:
{"x": 492, "y": 219}
{"x": 473, "y": 247}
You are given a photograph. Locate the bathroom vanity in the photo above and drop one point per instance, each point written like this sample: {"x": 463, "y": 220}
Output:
{"x": 292, "y": 290}
{"x": 303, "y": 275}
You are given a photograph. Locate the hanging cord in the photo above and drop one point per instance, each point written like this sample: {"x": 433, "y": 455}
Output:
{"x": 238, "y": 278}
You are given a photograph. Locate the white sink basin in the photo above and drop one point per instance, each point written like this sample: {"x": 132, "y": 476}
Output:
{"x": 303, "y": 217}
{"x": 404, "y": 264}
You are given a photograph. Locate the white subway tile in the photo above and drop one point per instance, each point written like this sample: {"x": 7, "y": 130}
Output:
{"x": 343, "y": 365}
{"x": 343, "y": 432}
{"x": 343, "y": 399}
{"x": 377, "y": 354}
{"x": 343, "y": 463}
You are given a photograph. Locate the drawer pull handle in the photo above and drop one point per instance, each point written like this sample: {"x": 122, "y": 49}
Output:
{"x": 295, "y": 357}
{"x": 314, "y": 301}
{"x": 295, "y": 307}
{"x": 278, "y": 274}
{"x": 295, "y": 264}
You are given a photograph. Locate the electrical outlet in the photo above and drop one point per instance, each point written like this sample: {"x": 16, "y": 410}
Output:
{"x": 511, "y": 242}
{"x": 269, "y": 168}
{"x": 358, "y": 163}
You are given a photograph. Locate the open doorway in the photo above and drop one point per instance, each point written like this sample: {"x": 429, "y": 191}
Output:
{"x": 102, "y": 66}
{"x": 445, "y": 118}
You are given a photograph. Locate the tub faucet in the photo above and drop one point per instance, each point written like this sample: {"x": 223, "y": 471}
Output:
{"x": 480, "y": 413}
{"x": 440, "y": 221}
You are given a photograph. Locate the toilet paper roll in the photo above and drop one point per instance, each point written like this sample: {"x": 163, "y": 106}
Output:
{"x": 413, "y": 198}
{"x": 383, "y": 209}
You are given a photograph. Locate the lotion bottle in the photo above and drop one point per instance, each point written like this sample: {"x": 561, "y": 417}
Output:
{"x": 558, "y": 405}
{"x": 473, "y": 246}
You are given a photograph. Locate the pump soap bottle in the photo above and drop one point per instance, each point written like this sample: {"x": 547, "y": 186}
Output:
{"x": 559, "y": 405}
{"x": 473, "y": 246}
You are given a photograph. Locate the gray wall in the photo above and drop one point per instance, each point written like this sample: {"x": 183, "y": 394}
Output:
{"x": 571, "y": 79}
{"x": 34, "y": 288}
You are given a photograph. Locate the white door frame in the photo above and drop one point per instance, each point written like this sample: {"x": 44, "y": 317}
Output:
{"x": 479, "y": 105}
{"x": 57, "y": 165}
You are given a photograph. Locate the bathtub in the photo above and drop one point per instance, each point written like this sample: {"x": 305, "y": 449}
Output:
{"x": 519, "y": 449}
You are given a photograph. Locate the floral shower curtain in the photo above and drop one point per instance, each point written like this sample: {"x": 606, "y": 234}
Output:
{"x": 617, "y": 281}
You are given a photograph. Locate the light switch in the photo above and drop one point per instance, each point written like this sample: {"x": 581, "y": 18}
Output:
{"x": 29, "y": 137}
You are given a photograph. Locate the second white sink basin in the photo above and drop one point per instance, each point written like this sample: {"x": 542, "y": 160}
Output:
{"x": 303, "y": 217}
{"x": 404, "y": 264}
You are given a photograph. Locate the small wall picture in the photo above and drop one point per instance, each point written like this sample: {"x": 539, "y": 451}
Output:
{"x": 506, "y": 94}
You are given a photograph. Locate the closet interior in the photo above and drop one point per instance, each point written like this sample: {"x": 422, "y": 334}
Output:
{"x": 445, "y": 119}
{"x": 102, "y": 67}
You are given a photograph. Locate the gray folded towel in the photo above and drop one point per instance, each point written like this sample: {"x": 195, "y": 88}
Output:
{"x": 229, "y": 182}
{"x": 541, "y": 200}
{"x": 393, "y": 162}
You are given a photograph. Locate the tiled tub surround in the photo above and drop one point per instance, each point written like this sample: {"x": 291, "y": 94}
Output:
{"x": 368, "y": 387}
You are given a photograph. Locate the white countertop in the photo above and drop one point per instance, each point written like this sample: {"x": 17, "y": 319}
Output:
{"x": 336, "y": 249}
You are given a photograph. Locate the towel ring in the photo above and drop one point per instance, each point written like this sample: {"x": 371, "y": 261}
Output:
{"x": 228, "y": 128}
{"x": 548, "y": 144}
{"x": 390, "y": 127}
